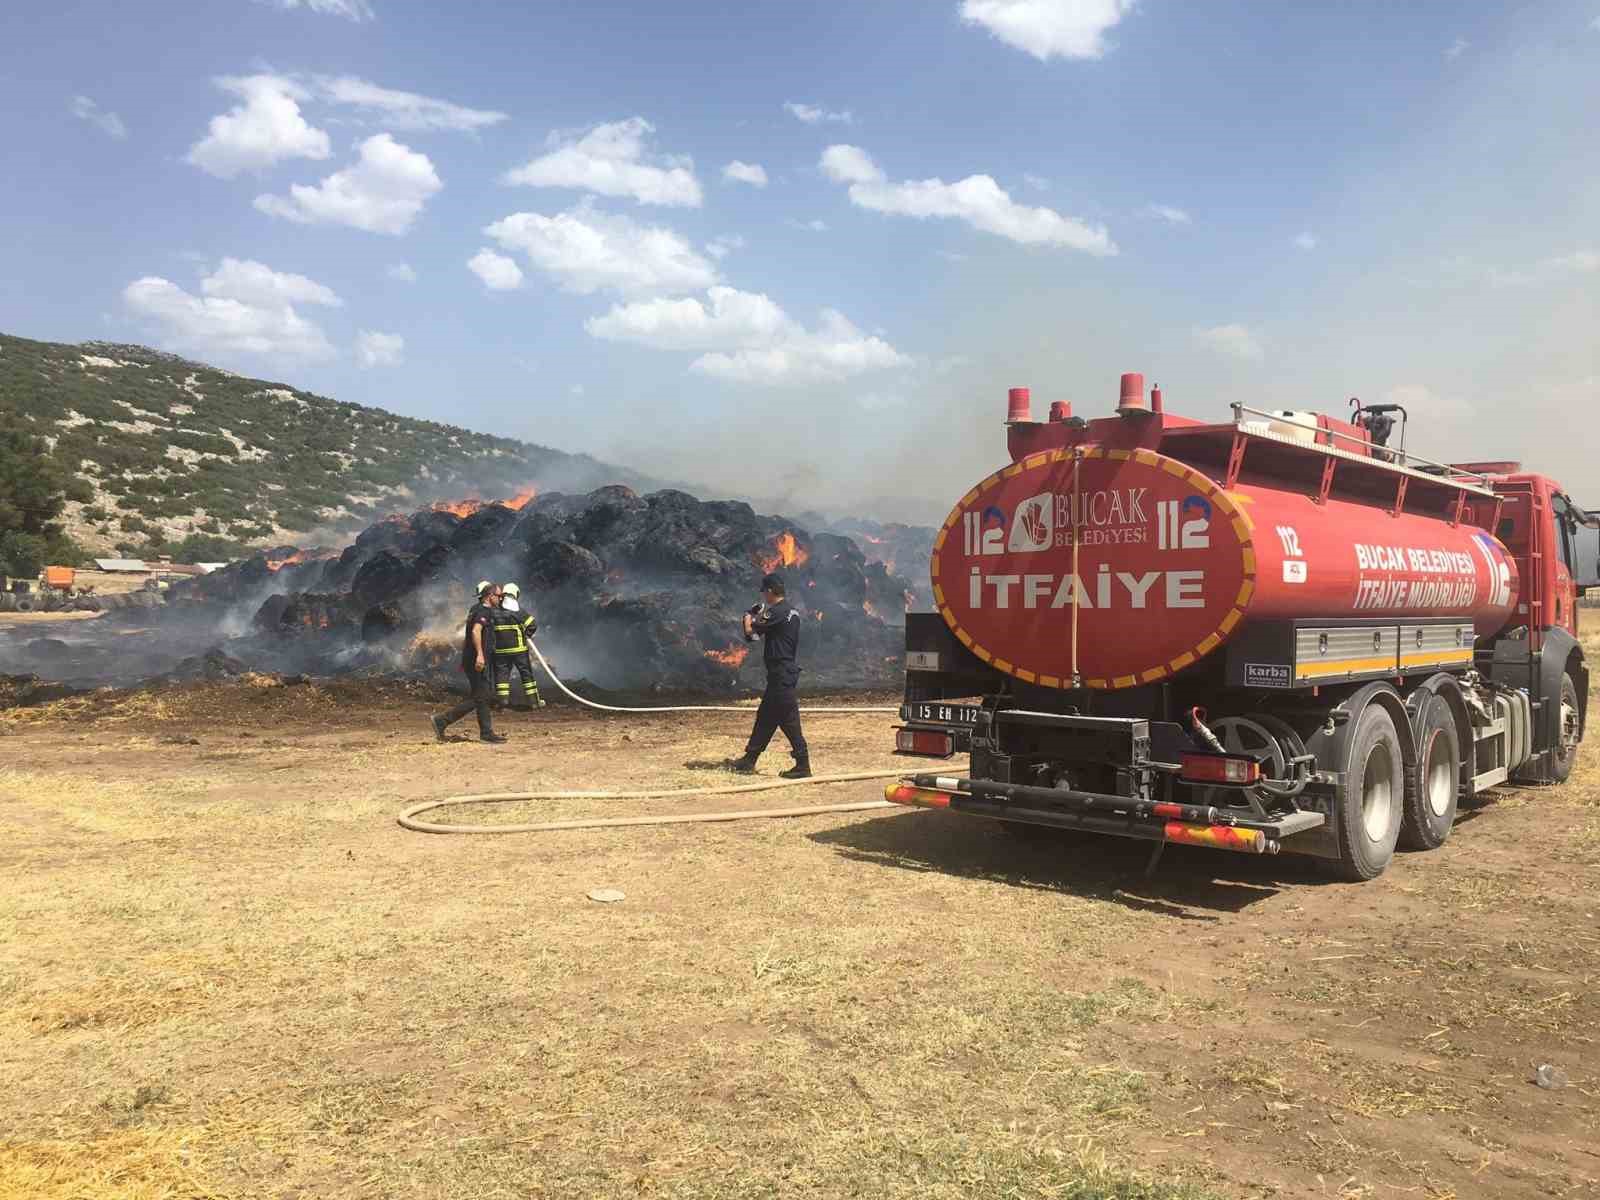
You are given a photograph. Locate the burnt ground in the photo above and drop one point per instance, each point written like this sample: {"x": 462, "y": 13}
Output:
{"x": 226, "y": 972}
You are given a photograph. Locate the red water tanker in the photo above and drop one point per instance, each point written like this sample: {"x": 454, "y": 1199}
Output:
{"x": 1281, "y": 624}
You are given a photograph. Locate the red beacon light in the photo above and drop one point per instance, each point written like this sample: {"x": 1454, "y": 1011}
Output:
{"x": 1019, "y": 406}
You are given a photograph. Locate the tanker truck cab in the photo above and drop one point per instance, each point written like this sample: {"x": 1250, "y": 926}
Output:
{"x": 1280, "y": 632}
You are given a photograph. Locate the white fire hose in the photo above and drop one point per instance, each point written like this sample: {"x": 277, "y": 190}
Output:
{"x": 744, "y": 708}
{"x": 408, "y": 817}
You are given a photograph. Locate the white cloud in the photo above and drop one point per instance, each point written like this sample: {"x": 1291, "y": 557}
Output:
{"x": 351, "y": 10}
{"x": 1457, "y": 48}
{"x": 1423, "y": 403}
{"x": 815, "y": 225}
{"x": 1583, "y": 261}
{"x": 255, "y": 283}
{"x": 978, "y": 200}
{"x": 1165, "y": 212}
{"x": 86, "y": 109}
{"x": 1037, "y": 182}
{"x": 721, "y": 247}
{"x": 404, "y": 110}
{"x": 1235, "y": 341}
{"x": 401, "y": 273}
{"x": 246, "y": 308}
{"x": 812, "y": 115}
{"x": 742, "y": 172}
{"x": 374, "y": 349}
{"x": 1048, "y": 29}
{"x": 610, "y": 160}
{"x": 265, "y": 129}
{"x": 733, "y": 318}
{"x": 1306, "y": 241}
{"x": 499, "y": 273}
{"x": 587, "y": 251}
{"x": 383, "y": 192}
{"x": 749, "y": 338}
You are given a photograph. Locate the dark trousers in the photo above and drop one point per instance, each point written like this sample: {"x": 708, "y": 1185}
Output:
{"x": 522, "y": 664}
{"x": 780, "y": 709}
{"x": 482, "y": 695}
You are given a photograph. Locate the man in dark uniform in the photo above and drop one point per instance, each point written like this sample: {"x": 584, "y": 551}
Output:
{"x": 477, "y": 655}
{"x": 522, "y": 661}
{"x": 778, "y": 625}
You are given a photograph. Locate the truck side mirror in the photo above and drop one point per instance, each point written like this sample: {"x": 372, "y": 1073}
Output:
{"x": 1585, "y": 529}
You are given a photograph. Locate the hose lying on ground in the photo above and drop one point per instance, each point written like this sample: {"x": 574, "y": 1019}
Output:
{"x": 408, "y": 817}
{"x": 740, "y": 708}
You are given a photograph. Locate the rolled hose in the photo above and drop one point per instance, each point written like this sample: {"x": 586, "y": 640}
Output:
{"x": 408, "y": 817}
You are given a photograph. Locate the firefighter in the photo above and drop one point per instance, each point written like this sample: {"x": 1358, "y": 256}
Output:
{"x": 522, "y": 663}
{"x": 778, "y": 625}
{"x": 477, "y": 660}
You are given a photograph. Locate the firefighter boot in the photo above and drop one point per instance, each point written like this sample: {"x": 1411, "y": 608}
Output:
{"x": 800, "y": 770}
{"x": 743, "y": 765}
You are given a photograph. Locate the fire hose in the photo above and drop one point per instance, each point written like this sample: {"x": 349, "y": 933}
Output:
{"x": 742, "y": 708}
{"x": 408, "y": 818}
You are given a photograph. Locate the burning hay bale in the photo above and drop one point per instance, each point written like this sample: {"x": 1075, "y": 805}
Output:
{"x": 632, "y": 592}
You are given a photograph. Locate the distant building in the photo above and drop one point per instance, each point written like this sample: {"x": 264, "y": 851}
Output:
{"x": 122, "y": 566}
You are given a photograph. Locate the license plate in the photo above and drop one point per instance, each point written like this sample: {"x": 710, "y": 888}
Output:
{"x": 936, "y": 712}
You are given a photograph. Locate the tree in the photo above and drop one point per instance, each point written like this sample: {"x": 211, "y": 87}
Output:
{"x": 32, "y": 488}
{"x": 32, "y": 495}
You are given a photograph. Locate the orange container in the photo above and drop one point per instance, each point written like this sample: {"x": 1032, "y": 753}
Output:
{"x": 59, "y": 577}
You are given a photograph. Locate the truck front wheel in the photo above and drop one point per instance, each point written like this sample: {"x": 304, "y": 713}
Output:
{"x": 1367, "y": 810}
{"x": 1430, "y": 806}
{"x": 1566, "y": 747}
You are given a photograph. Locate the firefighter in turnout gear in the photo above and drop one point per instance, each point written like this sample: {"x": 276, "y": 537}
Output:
{"x": 521, "y": 663}
{"x": 778, "y": 625}
{"x": 477, "y": 660}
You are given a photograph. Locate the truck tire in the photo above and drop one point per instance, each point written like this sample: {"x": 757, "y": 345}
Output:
{"x": 1565, "y": 752}
{"x": 1367, "y": 809}
{"x": 24, "y": 603}
{"x": 1430, "y": 803}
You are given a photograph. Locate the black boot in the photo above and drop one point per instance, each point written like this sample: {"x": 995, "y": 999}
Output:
{"x": 743, "y": 765}
{"x": 800, "y": 770}
{"x": 438, "y": 728}
{"x": 493, "y": 737}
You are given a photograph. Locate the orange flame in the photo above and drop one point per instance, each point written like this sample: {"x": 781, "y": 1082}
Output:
{"x": 866, "y": 607}
{"x": 465, "y": 508}
{"x": 733, "y": 656}
{"x": 300, "y": 556}
{"x": 787, "y": 552}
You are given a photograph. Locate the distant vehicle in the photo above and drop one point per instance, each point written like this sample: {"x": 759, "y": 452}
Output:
{"x": 1273, "y": 632}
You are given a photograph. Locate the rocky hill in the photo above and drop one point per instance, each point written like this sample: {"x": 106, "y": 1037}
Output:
{"x": 163, "y": 448}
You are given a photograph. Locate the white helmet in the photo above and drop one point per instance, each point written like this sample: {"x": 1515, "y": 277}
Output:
{"x": 484, "y": 585}
{"x": 512, "y": 590}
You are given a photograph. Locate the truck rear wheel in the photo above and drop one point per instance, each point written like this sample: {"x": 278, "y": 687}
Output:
{"x": 1565, "y": 751}
{"x": 1367, "y": 810}
{"x": 1430, "y": 805}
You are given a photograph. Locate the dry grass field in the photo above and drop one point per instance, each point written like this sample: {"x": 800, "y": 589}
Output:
{"x": 226, "y": 972}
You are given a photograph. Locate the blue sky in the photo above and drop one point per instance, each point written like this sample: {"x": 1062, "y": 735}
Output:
{"x": 1281, "y": 204}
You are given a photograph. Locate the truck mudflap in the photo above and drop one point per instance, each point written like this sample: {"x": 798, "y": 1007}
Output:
{"x": 1097, "y": 812}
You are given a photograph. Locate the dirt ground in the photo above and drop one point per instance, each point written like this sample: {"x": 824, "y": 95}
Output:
{"x": 226, "y": 972}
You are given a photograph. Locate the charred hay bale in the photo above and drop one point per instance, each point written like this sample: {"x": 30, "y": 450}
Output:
{"x": 564, "y": 564}
{"x": 485, "y": 529}
{"x": 431, "y": 527}
{"x": 436, "y": 562}
{"x": 391, "y": 533}
{"x": 269, "y": 617}
{"x": 383, "y": 577}
{"x": 388, "y": 622}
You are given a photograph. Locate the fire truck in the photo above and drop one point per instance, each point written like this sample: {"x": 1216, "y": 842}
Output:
{"x": 1283, "y": 631}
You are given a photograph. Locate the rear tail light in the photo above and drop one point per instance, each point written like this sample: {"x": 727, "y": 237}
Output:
{"x": 1218, "y": 768}
{"x": 931, "y": 742}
